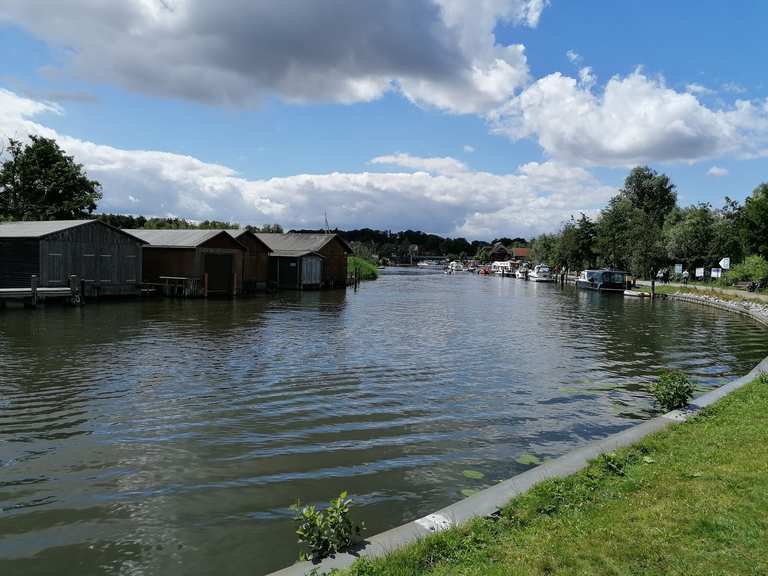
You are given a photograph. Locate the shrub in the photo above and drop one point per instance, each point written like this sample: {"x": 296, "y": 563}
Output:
{"x": 672, "y": 390}
{"x": 754, "y": 268}
{"x": 327, "y": 531}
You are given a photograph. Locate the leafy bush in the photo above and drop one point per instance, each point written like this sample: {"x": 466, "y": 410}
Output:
{"x": 672, "y": 390}
{"x": 366, "y": 269}
{"x": 754, "y": 268}
{"x": 327, "y": 531}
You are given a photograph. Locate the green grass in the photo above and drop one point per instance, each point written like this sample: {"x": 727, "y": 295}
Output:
{"x": 692, "y": 499}
{"x": 367, "y": 268}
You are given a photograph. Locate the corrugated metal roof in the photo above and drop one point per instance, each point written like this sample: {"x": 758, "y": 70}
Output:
{"x": 37, "y": 229}
{"x": 175, "y": 238}
{"x": 239, "y": 233}
{"x": 284, "y": 244}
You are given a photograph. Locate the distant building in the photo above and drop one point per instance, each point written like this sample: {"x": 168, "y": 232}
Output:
{"x": 307, "y": 261}
{"x": 521, "y": 253}
{"x": 199, "y": 262}
{"x": 106, "y": 260}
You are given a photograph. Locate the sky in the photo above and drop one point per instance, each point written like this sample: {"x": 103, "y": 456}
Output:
{"x": 474, "y": 118}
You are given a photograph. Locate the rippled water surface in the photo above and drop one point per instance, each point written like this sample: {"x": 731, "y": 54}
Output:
{"x": 171, "y": 437}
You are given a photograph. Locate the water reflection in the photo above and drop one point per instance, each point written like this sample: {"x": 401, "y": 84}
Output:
{"x": 172, "y": 436}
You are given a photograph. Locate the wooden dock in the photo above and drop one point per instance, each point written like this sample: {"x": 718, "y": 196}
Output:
{"x": 34, "y": 295}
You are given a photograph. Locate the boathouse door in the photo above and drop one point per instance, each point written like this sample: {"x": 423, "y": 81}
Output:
{"x": 219, "y": 270}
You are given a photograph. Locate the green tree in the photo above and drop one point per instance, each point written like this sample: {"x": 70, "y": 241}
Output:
{"x": 689, "y": 234}
{"x": 39, "y": 182}
{"x": 755, "y": 221}
{"x": 613, "y": 233}
{"x": 544, "y": 249}
{"x": 651, "y": 192}
{"x": 728, "y": 233}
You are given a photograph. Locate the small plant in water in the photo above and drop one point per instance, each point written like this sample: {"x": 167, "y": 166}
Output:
{"x": 672, "y": 390}
{"x": 327, "y": 531}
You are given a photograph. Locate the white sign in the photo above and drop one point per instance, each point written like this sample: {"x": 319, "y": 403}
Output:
{"x": 678, "y": 268}
{"x": 716, "y": 272}
{"x": 699, "y": 272}
{"x": 725, "y": 263}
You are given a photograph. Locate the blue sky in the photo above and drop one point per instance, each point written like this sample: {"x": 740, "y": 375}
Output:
{"x": 350, "y": 120}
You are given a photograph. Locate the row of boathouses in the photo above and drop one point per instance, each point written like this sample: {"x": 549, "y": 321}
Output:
{"x": 108, "y": 261}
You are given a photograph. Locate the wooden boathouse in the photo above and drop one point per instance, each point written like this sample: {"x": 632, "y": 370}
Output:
{"x": 192, "y": 262}
{"x": 255, "y": 272}
{"x": 307, "y": 261}
{"x": 104, "y": 260}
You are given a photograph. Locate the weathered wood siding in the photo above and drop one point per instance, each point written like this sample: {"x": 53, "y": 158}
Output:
{"x": 334, "y": 264}
{"x": 19, "y": 261}
{"x": 220, "y": 257}
{"x": 181, "y": 262}
{"x": 107, "y": 261}
{"x": 255, "y": 263}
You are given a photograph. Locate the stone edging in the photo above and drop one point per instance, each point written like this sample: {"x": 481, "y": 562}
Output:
{"x": 491, "y": 500}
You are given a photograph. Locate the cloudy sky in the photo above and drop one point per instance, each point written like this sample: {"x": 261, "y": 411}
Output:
{"x": 478, "y": 118}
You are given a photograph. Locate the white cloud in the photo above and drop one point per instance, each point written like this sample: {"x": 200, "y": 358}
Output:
{"x": 440, "y": 53}
{"x": 717, "y": 171}
{"x": 694, "y": 88}
{"x": 635, "y": 119}
{"x": 468, "y": 149}
{"x": 574, "y": 57}
{"x": 448, "y": 198}
{"x": 734, "y": 88}
{"x": 445, "y": 165}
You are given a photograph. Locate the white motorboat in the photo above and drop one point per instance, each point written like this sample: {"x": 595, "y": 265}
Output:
{"x": 541, "y": 273}
{"x": 502, "y": 268}
{"x": 522, "y": 273}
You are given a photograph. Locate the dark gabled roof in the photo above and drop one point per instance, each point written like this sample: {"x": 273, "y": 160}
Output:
{"x": 41, "y": 229}
{"x": 297, "y": 244}
{"x": 237, "y": 234}
{"x": 186, "y": 238}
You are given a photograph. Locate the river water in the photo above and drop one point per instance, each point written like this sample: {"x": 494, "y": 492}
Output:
{"x": 171, "y": 437}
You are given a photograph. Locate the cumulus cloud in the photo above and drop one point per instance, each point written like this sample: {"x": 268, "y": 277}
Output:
{"x": 717, "y": 171}
{"x": 440, "y": 53}
{"x": 445, "y": 165}
{"x": 442, "y": 196}
{"x": 634, "y": 119}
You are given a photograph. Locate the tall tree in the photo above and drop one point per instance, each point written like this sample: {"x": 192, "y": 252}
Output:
{"x": 38, "y": 181}
{"x": 689, "y": 234}
{"x": 613, "y": 233}
{"x": 651, "y": 192}
{"x": 755, "y": 221}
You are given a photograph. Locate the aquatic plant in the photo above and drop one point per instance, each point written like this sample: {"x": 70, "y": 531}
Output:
{"x": 672, "y": 390}
{"x": 327, "y": 531}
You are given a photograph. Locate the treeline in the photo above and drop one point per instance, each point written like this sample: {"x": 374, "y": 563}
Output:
{"x": 387, "y": 244}
{"x": 643, "y": 230}
{"x": 127, "y": 221}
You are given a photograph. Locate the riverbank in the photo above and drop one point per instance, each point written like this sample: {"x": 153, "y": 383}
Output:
{"x": 708, "y": 290}
{"x": 688, "y": 500}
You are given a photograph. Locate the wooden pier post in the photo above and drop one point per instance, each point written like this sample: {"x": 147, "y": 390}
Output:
{"x": 35, "y": 282}
{"x": 74, "y": 287}
{"x": 205, "y": 285}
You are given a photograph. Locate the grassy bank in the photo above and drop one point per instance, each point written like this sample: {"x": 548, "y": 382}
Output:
{"x": 703, "y": 290}
{"x": 689, "y": 500}
{"x": 367, "y": 269}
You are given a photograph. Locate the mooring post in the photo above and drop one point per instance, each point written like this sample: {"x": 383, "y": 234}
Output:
{"x": 35, "y": 282}
{"x": 205, "y": 285}
{"x": 74, "y": 287}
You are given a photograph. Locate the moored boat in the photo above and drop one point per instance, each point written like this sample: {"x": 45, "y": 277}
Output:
{"x": 604, "y": 280}
{"x": 541, "y": 273}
